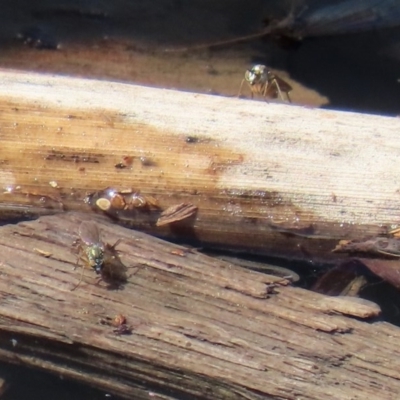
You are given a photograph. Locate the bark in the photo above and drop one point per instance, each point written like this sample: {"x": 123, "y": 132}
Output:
{"x": 200, "y": 327}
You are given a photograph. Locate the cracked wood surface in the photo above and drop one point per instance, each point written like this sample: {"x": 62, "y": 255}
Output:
{"x": 201, "y": 327}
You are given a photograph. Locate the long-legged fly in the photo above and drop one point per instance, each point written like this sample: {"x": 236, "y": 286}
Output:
{"x": 265, "y": 83}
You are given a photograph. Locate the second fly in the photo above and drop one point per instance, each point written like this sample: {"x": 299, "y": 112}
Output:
{"x": 101, "y": 257}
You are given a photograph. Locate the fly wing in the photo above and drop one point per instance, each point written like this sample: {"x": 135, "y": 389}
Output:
{"x": 89, "y": 232}
{"x": 113, "y": 271}
{"x": 283, "y": 85}
{"x": 276, "y": 85}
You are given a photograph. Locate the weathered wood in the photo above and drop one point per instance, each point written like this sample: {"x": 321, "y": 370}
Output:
{"x": 267, "y": 177}
{"x": 200, "y": 327}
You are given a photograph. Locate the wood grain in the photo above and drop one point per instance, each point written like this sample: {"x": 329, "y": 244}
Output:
{"x": 276, "y": 179}
{"x": 201, "y": 327}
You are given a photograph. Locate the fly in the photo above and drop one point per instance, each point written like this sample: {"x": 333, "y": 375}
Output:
{"x": 99, "y": 256}
{"x": 265, "y": 83}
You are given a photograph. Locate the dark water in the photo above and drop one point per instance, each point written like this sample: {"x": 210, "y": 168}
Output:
{"x": 29, "y": 384}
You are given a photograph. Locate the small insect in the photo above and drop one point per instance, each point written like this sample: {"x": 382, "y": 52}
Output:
{"x": 263, "y": 82}
{"x": 101, "y": 257}
{"x": 126, "y": 162}
{"x": 119, "y": 323}
{"x": 118, "y": 320}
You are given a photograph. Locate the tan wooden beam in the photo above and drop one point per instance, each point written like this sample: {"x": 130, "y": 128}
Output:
{"x": 273, "y": 178}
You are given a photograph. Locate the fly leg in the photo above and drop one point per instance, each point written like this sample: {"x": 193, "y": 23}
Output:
{"x": 274, "y": 82}
{"x": 76, "y": 265}
{"x": 80, "y": 280}
{"x": 240, "y": 89}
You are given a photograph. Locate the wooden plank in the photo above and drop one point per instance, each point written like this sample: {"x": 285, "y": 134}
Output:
{"x": 201, "y": 327}
{"x": 272, "y": 178}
